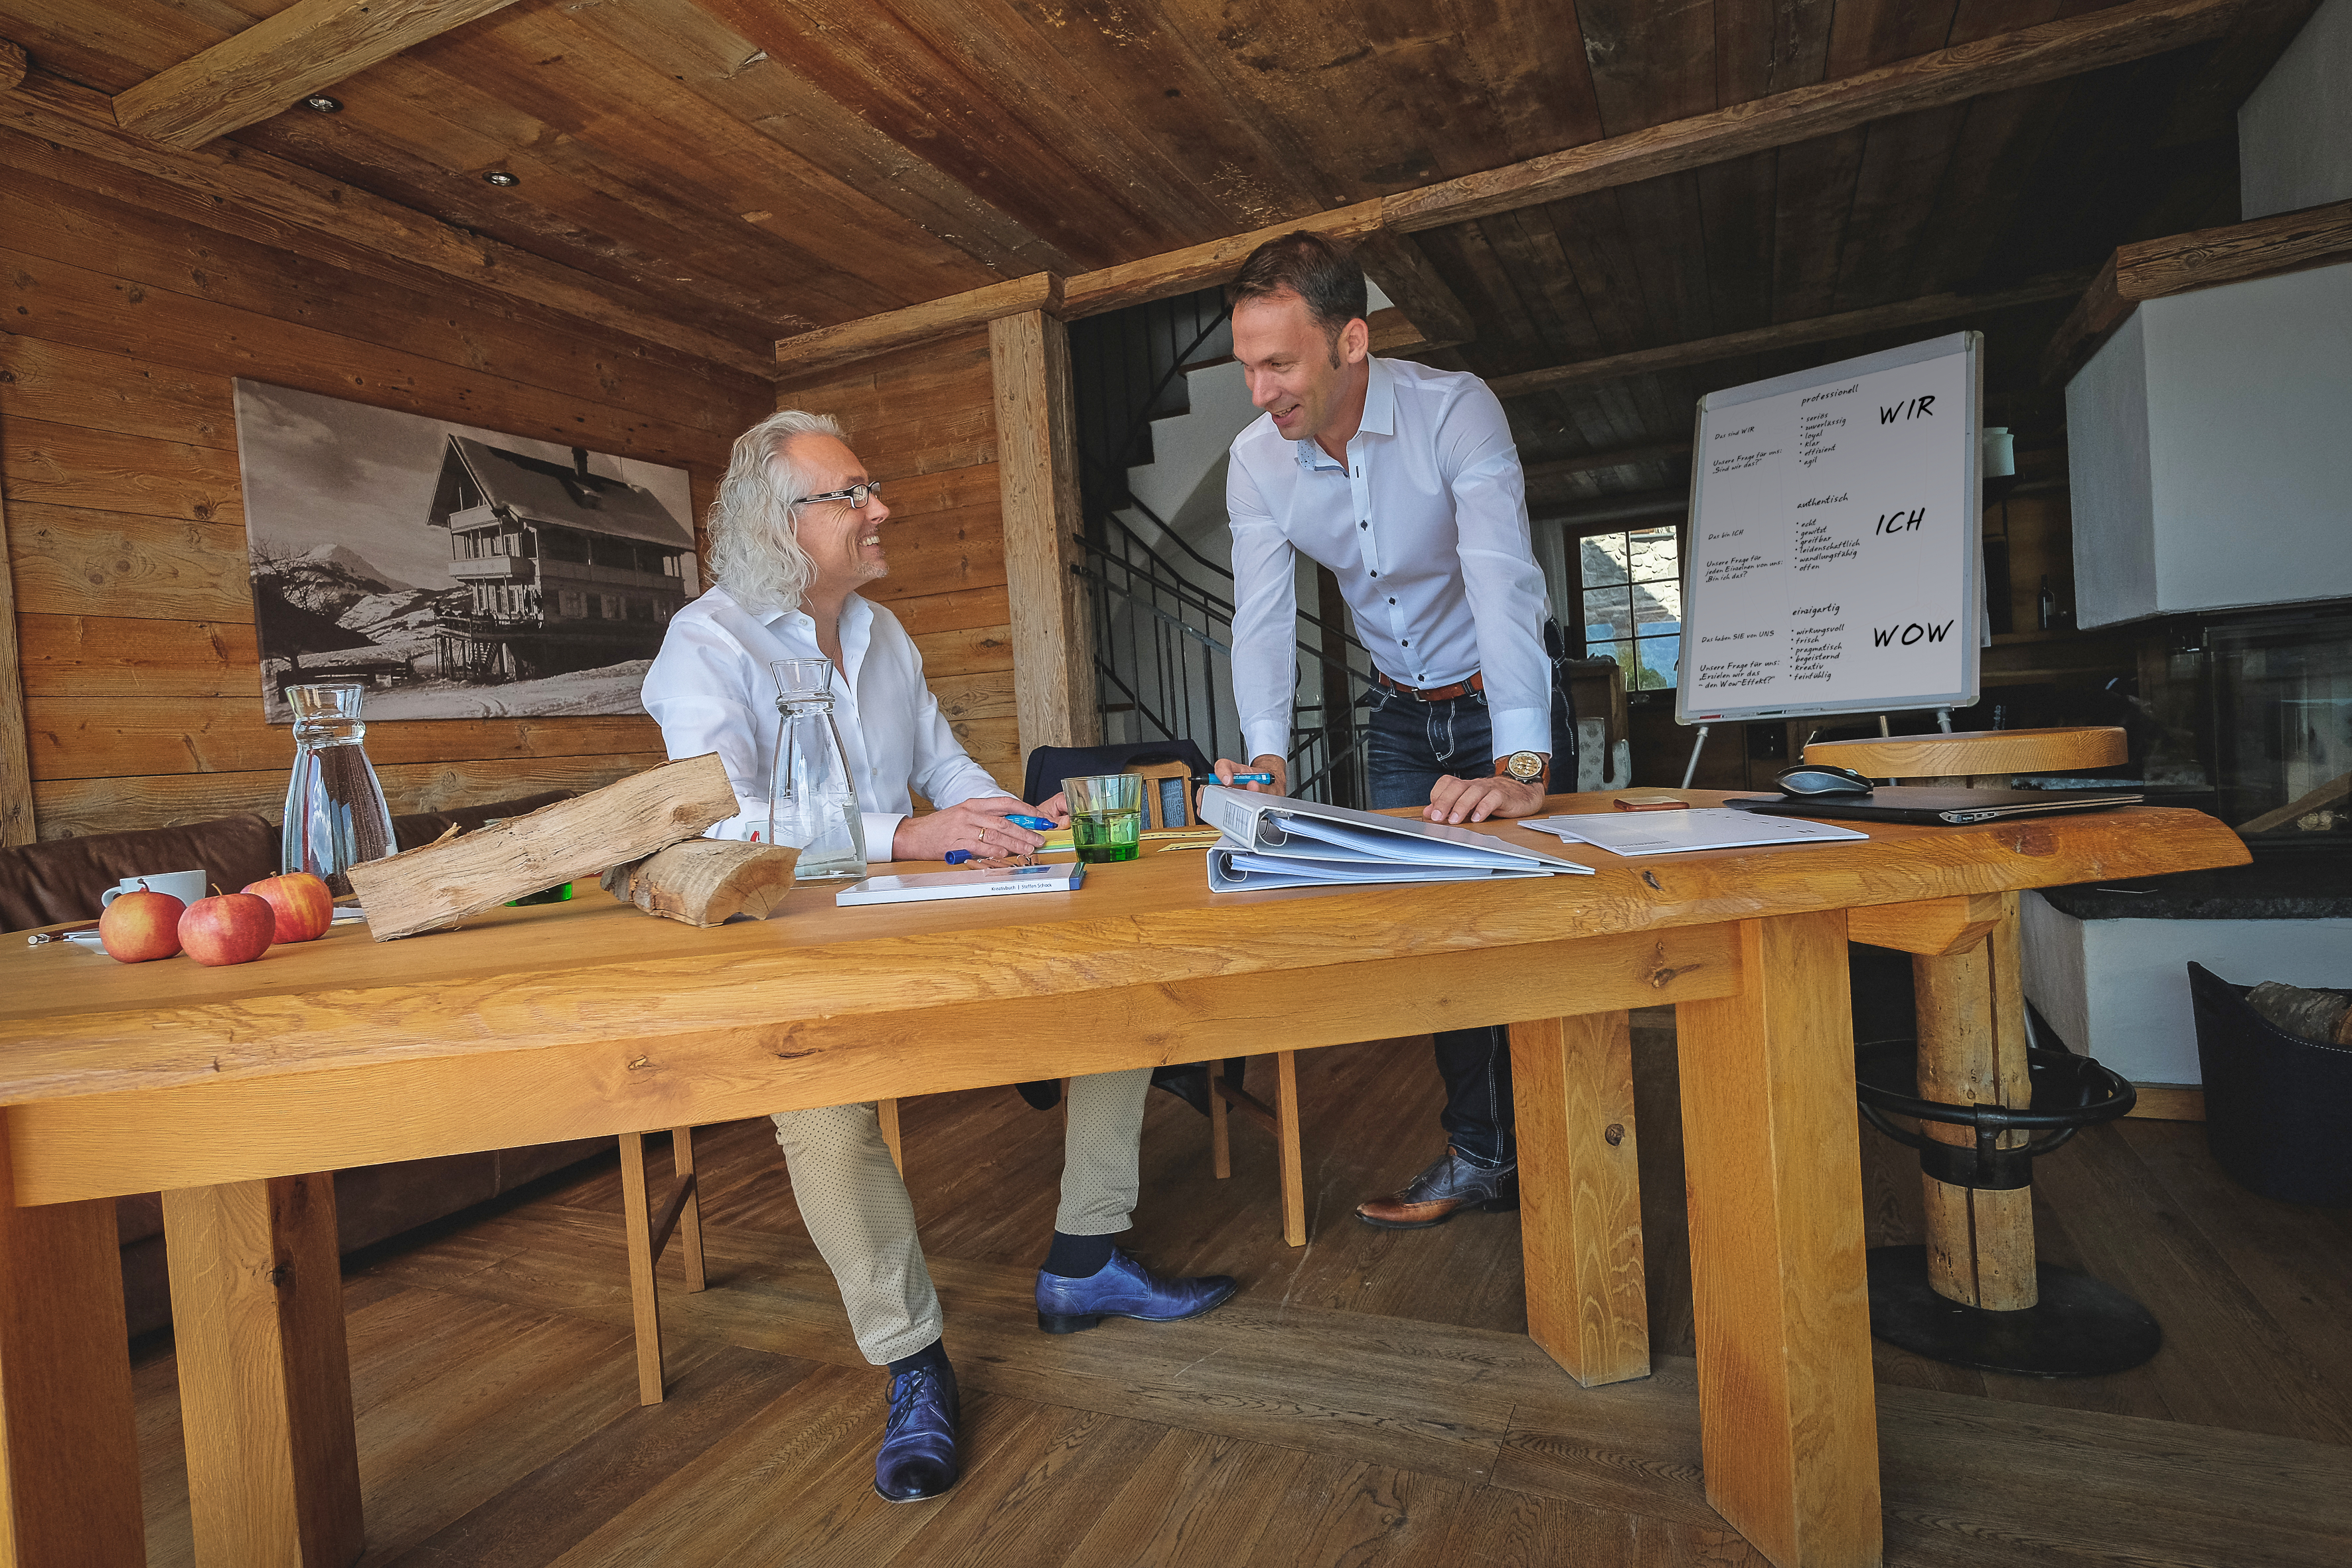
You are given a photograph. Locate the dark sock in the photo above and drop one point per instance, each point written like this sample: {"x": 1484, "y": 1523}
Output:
{"x": 933, "y": 1355}
{"x": 1077, "y": 1257}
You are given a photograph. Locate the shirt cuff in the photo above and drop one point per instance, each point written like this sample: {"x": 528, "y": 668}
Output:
{"x": 881, "y": 827}
{"x": 1265, "y": 741}
{"x": 1521, "y": 730}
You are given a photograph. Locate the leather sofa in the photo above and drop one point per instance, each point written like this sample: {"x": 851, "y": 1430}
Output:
{"x": 61, "y": 881}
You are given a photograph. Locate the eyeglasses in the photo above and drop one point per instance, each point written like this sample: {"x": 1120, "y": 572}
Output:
{"x": 855, "y": 495}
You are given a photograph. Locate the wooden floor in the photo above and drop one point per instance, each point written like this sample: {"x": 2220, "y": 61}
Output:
{"x": 1368, "y": 1399}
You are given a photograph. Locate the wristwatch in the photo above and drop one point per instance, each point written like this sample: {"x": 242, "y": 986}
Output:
{"x": 1528, "y": 767}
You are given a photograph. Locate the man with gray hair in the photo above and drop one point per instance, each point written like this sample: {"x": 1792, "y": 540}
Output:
{"x": 795, "y": 531}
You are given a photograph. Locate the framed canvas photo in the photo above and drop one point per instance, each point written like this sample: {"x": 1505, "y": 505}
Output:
{"x": 459, "y": 573}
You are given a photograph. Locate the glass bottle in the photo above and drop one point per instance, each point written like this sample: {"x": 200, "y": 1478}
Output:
{"x": 335, "y": 812}
{"x": 811, "y": 804}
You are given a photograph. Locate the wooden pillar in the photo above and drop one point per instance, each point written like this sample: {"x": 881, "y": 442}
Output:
{"x": 1037, "y": 476}
{"x": 1972, "y": 1052}
{"x": 16, "y": 826}
{"x": 264, "y": 1378}
{"x": 1789, "y": 1432}
{"x": 1581, "y": 1194}
{"x": 69, "y": 1451}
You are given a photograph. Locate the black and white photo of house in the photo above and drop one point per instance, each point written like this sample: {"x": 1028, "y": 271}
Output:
{"x": 457, "y": 572}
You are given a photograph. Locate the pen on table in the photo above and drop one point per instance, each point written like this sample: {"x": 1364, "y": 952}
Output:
{"x": 1238, "y": 778}
{"x": 37, "y": 938}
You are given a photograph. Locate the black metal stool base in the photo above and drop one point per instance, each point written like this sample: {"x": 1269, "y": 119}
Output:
{"x": 2079, "y": 1328}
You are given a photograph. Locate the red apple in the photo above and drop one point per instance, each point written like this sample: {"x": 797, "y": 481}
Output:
{"x": 139, "y": 926}
{"x": 229, "y": 928}
{"x": 305, "y": 908}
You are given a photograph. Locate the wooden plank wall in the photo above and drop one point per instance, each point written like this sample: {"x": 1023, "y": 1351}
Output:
{"x": 126, "y": 323}
{"x": 924, "y": 421}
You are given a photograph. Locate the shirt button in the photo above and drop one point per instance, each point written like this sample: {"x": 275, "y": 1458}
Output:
{"x": 1407, "y": 642}
{"x": 1391, "y": 601}
{"x": 1366, "y": 523}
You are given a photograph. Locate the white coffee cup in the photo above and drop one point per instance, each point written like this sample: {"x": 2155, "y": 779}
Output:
{"x": 185, "y": 886}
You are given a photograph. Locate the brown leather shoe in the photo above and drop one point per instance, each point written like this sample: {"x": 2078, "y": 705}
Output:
{"x": 1437, "y": 1194}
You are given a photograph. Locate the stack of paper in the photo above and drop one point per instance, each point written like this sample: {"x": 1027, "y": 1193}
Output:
{"x": 1679, "y": 832}
{"x": 1270, "y": 841}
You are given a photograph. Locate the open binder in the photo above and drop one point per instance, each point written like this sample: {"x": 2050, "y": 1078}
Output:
{"x": 1271, "y": 841}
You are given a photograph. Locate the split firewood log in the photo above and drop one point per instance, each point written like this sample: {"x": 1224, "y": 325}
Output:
{"x": 706, "y": 882}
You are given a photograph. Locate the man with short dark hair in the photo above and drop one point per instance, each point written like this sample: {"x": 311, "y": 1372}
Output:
{"x": 1405, "y": 483}
{"x": 796, "y": 530}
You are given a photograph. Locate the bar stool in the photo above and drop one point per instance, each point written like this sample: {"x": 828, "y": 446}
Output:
{"x": 1975, "y": 1295}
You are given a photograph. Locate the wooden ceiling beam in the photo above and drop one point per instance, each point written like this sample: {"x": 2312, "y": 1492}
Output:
{"x": 2046, "y": 53}
{"x": 1787, "y": 334}
{"x": 264, "y": 70}
{"x": 1204, "y": 266}
{"x": 1998, "y": 64}
{"x": 2152, "y": 268}
{"x": 75, "y": 117}
{"x": 809, "y": 353}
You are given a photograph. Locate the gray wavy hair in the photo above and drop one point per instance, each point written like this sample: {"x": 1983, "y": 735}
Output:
{"x": 755, "y": 550}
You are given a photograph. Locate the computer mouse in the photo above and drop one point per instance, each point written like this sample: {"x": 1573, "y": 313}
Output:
{"x": 1821, "y": 778}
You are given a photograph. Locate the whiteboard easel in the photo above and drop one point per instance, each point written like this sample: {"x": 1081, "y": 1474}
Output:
{"x": 1833, "y": 562}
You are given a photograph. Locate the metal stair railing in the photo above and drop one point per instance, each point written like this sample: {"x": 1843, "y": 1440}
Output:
{"x": 1170, "y": 656}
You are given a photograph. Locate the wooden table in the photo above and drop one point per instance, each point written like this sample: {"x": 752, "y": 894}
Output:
{"x": 231, "y": 1089}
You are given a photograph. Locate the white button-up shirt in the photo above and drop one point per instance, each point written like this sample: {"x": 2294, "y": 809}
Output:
{"x": 711, "y": 690}
{"x": 1425, "y": 526}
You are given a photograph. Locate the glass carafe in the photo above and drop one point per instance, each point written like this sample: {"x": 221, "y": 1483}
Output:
{"x": 811, "y": 804}
{"x": 335, "y": 813}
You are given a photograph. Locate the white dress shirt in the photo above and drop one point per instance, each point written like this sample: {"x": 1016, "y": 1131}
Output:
{"x": 1425, "y": 526}
{"x": 711, "y": 690}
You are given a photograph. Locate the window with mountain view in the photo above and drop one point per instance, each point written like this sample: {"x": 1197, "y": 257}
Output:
{"x": 1629, "y": 602}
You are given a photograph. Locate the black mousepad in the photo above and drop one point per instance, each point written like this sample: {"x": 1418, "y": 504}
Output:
{"x": 1951, "y": 807}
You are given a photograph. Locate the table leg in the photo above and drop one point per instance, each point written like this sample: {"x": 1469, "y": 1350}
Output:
{"x": 264, "y": 1378}
{"x": 1581, "y": 1194}
{"x": 68, "y": 1453}
{"x": 1789, "y": 1432}
{"x": 1972, "y": 1052}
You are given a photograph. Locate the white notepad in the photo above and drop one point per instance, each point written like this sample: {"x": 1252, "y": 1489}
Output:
{"x": 1633, "y": 833}
{"x": 987, "y": 882}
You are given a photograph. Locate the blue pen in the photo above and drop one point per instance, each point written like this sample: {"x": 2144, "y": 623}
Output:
{"x": 1238, "y": 778}
{"x": 1033, "y": 823}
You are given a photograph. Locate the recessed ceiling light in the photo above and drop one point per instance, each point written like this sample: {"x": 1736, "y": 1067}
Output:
{"x": 500, "y": 177}
{"x": 322, "y": 103}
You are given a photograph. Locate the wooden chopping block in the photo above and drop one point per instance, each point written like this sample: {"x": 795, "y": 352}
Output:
{"x": 707, "y": 881}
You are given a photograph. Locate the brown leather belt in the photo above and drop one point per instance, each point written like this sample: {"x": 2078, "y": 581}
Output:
{"x": 1478, "y": 682}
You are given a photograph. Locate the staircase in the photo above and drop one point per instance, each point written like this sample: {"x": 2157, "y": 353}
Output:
{"x": 1160, "y": 401}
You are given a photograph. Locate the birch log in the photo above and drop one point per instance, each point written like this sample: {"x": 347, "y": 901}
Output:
{"x": 445, "y": 882}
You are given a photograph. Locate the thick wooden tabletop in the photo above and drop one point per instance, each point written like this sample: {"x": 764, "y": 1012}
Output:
{"x": 551, "y": 1020}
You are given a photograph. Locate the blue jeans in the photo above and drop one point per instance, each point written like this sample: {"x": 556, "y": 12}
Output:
{"x": 1410, "y": 746}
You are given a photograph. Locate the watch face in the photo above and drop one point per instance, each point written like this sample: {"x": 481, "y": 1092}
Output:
{"x": 1527, "y": 766}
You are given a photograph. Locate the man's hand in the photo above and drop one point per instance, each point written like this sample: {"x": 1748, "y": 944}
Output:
{"x": 1057, "y": 808}
{"x": 1476, "y": 800}
{"x": 1278, "y": 766}
{"x": 978, "y": 825}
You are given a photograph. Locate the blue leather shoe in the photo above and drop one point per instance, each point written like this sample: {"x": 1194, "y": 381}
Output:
{"x": 1123, "y": 1288}
{"x": 918, "y": 1443}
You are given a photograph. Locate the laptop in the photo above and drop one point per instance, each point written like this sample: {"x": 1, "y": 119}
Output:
{"x": 1954, "y": 807}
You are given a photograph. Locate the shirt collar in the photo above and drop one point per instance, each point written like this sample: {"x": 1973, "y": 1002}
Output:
{"x": 1380, "y": 416}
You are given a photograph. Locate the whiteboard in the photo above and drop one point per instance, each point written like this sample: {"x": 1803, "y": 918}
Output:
{"x": 1833, "y": 562}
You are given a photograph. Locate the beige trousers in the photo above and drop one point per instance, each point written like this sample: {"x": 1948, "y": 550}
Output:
{"x": 859, "y": 1214}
